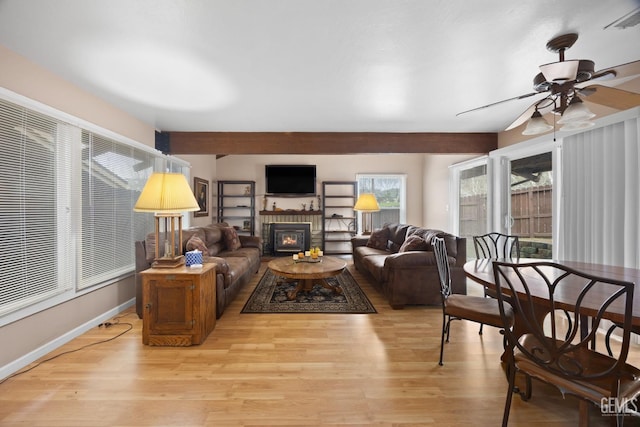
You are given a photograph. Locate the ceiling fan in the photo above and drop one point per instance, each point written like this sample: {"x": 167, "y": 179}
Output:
{"x": 564, "y": 84}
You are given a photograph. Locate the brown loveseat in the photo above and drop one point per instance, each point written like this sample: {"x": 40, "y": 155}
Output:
{"x": 400, "y": 261}
{"x": 237, "y": 259}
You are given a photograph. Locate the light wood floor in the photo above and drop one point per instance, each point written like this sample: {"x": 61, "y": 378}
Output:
{"x": 285, "y": 369}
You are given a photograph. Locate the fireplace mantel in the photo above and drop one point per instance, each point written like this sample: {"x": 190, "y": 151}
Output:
{"x": 290, "y": 212}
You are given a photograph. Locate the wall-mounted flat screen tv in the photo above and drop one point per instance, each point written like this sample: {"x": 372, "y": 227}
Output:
{"x": 290, "y": 180}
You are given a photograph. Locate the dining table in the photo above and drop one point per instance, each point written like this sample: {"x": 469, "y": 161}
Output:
{"x": 481, "y": 271}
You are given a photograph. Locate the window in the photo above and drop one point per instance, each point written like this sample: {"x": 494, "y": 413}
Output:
{"x": 66, "y": 206}
{"x": 34, "y": 203}
{"x": 390, "y": 191}
{"x": 470, "y": 200}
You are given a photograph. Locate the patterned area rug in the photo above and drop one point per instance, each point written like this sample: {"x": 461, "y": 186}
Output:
{"x": 270, "y": 296}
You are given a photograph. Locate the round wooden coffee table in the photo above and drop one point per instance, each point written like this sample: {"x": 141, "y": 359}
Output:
{"x": 308, "y": 273}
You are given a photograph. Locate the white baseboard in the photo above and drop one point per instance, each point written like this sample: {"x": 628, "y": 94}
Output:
{"x": 47, "y": 348}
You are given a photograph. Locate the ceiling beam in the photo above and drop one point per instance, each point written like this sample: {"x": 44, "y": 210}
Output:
{"x": 225, "y": 143}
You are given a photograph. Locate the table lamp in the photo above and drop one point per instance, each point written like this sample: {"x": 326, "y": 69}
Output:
{"x": 167, "y": 195}
{"x": 366, "y": 204}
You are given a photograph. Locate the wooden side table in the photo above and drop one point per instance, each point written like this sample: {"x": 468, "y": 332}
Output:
{"x": 179, "y": 305}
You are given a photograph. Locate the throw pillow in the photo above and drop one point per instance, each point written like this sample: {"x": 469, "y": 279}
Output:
{"x": 231, "y": 239}
{"x": 393, "y": 247}
{"x": 414, "y": 243}
{"x": 196, "y": 243}
{"x": 378, "y": 239}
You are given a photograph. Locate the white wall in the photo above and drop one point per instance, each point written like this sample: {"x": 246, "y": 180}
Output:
{"x": 435, "y": 199}
{"x": 427, "y": 178}
{"x": 203, "y": 167}
{"x": 27, "y": 339}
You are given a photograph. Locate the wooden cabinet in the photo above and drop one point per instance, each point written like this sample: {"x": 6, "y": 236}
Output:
{"x": 237, "y": 205}
{"x": 339, "y": 221}
{"x": 179, "y": 305}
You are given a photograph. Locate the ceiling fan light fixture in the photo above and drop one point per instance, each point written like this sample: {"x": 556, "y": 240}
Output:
{"x": 560, "y": 72}
{"x": 537, "y": 125}
{"x": 568, "y": 127}
{"x": 576, "y": 112}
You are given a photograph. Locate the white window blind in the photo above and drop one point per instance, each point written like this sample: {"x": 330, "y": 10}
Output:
{"x": 113, "y": 175}
{"x": 601, "y": 196}
{"x": 35, "y": 211}
{"x": 66, "y": 205}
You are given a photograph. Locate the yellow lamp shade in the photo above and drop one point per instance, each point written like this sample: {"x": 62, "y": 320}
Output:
{"x": 166, "y": 192}
{"x": 367, "y": 203}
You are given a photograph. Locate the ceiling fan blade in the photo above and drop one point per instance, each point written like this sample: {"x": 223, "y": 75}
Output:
{"x": 628, "y": 70}
{"x": 610, "y": 97}
{"x": 500, "y": 102}
{"x": 522, "y": 117}
{"x": 542, "y": 106}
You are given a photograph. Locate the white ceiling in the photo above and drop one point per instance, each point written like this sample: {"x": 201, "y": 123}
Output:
{"x": 313, "y": 65}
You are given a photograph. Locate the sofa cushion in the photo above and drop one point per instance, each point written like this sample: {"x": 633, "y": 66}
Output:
{"x": 196, "y": 243}
{"x": 188, "y": 233}
{"x": 450, "y": 243}
{"x": 364, "y": 251}
{"x": 379, "y": 238}
{"x": 414, "y": 243}
{"x": 242, "y": 252}
{"x": 231, "y": 240}
{"x": 222, "y": 266}
{"x": 237, "y": 267}
{"x": 375, "y": 266}
{"x": 215, "y": 248}
{"x": 393, "y": 247}
{"x": 213, "y": 234}
{"x": 397, "y": 233}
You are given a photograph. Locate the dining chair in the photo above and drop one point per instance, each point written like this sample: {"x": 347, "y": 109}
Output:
{"x": 495, "y": 245}
{"x": 607, "y": 338}
{"x": 463, "y": 307}
{"x": 567, "y": 361}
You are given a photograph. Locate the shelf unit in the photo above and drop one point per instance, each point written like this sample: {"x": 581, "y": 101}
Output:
{"x": 237, "y": 205}
{"x": 339, "y": 220}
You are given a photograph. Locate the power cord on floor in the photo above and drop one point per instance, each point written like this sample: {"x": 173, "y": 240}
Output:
{"x": 115, "y": 321}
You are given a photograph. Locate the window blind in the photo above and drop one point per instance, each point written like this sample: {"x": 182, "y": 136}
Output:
{"x": 34, "y": 207}
{"x": 113, "y": 176}
{"x": 66, "y": 205}
{"x": 601, "y": 196}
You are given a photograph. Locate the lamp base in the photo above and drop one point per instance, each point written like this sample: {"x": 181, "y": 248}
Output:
{"x": 168, "y": 262}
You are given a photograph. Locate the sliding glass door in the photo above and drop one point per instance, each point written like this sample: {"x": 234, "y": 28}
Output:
{"x": 531, "y": 204}
{"x": 510, "y": 192}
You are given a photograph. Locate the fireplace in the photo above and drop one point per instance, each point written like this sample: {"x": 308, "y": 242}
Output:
{"x": 289, "y": 238}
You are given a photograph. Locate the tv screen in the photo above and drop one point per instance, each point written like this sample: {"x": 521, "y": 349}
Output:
{"x": 290, "y": 180}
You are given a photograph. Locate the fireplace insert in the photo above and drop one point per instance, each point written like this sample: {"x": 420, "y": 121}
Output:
{"x": 290, "y": 238}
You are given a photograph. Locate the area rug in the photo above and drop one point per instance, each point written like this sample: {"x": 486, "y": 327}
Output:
{"x": 270, "y": 296}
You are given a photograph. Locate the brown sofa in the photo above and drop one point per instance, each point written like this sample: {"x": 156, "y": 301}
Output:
{"x": 399, "y": 260}
{"x": 235, "y": 265}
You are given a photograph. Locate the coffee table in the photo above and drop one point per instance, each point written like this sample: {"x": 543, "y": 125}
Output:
{"x": 308, "y": 273}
